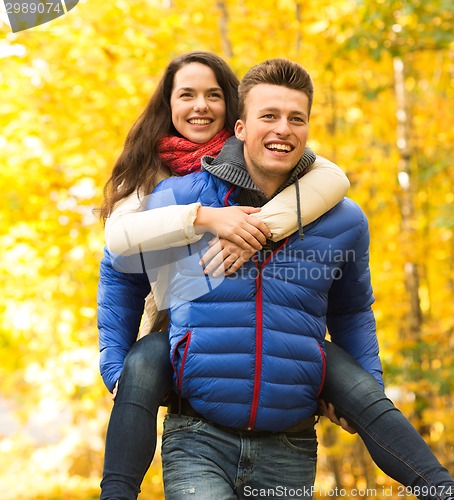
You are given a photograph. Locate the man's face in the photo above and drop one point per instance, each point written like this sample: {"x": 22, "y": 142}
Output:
{"x": 274, "y": 132}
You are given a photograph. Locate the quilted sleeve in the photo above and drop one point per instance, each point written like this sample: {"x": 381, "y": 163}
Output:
{"x": 121, "y": 300}
{"x": 350, "y": 319}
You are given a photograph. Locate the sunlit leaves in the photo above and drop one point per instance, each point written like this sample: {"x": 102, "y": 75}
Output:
{"x": 70, "y": 90}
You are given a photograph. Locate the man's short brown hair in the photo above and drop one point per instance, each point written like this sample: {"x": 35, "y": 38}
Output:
{"x": 280, "y": 72}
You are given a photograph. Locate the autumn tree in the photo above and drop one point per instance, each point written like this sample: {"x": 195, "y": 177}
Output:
{"x": 72, "y": 88}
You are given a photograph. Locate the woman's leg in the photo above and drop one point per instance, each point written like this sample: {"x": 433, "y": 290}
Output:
{"x": 393, "y": 443}
{"x": 145, "y": 381}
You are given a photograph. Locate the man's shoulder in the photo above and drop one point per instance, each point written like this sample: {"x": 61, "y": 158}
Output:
{"x": 347, "y": 215}
{"x": 349, "y": 207}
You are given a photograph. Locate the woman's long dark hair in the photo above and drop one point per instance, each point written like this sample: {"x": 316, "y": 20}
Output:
{"x": 140, "y": 161}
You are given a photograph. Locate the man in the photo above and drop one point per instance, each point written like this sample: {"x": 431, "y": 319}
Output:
{"x": 248, "y": 357}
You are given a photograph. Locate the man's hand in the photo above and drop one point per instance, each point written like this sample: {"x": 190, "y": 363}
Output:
{"x": 234, "y": 224}
{"x": 224, "y": 257}
{"x": 328, "y": 411}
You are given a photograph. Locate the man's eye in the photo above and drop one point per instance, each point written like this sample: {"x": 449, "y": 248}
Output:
{"x": 268, "y": 116}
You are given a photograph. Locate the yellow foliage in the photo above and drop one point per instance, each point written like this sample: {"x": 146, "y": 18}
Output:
{"x": 71, "y": 90}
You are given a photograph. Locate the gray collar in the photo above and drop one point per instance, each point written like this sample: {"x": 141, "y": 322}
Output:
{"x": 229, "y": 166}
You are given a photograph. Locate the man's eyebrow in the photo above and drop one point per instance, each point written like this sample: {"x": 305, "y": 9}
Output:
{"x": 277, "y": 110}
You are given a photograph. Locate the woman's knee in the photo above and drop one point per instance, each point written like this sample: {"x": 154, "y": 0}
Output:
{"x": 148, "y": 360}
{"x": 347, "y": 383}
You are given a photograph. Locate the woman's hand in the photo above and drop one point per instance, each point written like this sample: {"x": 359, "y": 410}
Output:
{"x": 224, "y": 257}
{"x": 114, "y": 391}
{"x": 234, "y": 224}
{"x": 328, "y": 411}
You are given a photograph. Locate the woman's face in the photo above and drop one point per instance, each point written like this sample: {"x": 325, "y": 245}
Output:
{"x": 197, "y": 103}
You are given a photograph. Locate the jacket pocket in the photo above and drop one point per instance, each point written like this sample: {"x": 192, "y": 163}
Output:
{"x": 179, "y": 358}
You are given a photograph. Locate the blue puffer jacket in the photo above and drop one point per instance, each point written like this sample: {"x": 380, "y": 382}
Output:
{"x": 250, "y": 353}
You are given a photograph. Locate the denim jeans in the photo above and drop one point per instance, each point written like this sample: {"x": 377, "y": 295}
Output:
{"x": 131, "y": 435}
{"x": 203, "y": 461}
{"x": 392, "y": 441}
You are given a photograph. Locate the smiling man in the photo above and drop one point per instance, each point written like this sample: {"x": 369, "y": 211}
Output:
{"x": 275, "y": 129}
{"x": 249, "y": 356}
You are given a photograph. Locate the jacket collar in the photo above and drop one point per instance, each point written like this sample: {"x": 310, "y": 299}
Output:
{"x": 229, "y": 166}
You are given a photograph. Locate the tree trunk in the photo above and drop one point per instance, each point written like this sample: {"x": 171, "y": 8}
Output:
{"x": 223, "y": 28}
{"x": 412, "y": 327}
{"x": 329, "y": 438}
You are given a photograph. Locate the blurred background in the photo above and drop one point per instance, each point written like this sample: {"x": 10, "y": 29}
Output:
{"x": 70, "y": 91}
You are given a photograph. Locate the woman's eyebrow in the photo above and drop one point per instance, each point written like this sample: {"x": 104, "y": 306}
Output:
{"x": 190, "y": 89}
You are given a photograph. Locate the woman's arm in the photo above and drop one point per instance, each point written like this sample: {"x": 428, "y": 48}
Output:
{"x": 320, "y": 189}
{"x": 131, "y": 229}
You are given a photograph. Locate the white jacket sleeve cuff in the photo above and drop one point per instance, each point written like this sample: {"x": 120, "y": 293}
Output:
{"x": 130, "y": 230}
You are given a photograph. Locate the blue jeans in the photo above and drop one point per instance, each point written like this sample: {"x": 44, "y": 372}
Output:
{"x": 203, "y": 461}
{"x": 392, "y": 441}
{"x": 145, "y": 381}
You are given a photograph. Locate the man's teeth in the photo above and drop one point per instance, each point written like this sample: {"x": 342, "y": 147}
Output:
{"x": 199, "y": 121}
{"x": 279, "y": 147}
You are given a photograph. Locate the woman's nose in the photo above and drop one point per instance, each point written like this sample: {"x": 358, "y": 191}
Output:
{"x": 200, "y": 104}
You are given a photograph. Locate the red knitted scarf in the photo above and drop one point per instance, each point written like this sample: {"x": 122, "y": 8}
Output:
{"x": 183, "y": 156}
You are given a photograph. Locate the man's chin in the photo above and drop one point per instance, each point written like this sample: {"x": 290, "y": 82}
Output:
{"x": 281, "y": 166}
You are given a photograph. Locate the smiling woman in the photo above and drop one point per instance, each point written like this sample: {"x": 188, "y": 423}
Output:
{"x": 197, "y": 103}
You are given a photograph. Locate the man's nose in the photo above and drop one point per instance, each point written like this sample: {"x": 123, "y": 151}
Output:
{"x": 282, "y": 127}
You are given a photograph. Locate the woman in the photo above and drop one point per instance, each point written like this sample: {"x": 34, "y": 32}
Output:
{"x": 191, "y": 114}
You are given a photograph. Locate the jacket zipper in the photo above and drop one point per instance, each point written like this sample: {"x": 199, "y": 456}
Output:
{"x": 258, "y": 342}
{"x": 259, "y": 333}
{"x": 179, "y": 375}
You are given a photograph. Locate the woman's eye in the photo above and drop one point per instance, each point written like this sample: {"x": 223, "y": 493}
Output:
{"x": 215, "y": 95}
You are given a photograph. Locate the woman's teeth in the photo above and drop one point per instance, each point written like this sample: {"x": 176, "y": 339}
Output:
{"x": 199, "y": 121}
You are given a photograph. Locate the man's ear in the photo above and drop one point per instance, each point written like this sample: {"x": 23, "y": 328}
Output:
{"x": 240, "y": 132}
